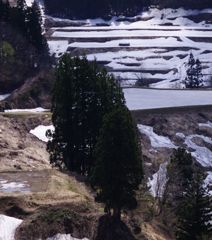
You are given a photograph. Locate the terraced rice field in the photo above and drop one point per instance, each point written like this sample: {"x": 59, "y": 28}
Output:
{"x": 152, "y": 48}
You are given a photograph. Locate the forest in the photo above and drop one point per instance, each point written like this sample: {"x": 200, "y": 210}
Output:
{"x": 106, "y": 8}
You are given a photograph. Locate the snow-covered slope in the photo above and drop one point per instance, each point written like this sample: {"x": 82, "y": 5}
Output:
{"x": 156, "y": 140}
{"x": 153, "y": 46}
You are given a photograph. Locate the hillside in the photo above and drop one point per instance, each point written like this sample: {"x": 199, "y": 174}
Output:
{"x": 22, "y": 195}
{"x": 25, "y": 65}
{"x": 73, "y": 9}
{"x": 89, "y": 156}
{"x": 151, "y": 49}
{"x": 20, "y": 59}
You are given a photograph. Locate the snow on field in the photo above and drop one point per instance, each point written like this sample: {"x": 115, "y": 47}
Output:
{"x": 8, "y": 225}
{"x": 40, "y": 132}
{"x": 32, "y": 110}
{"x": 158, "y": 181}
{"x": 65, "y": 237}
{"x": 148, "y": 63}
{"x": 154, "y": 40}
{"x": 57, "y": 47}
{"x": 135, "y": 43}
{"x": 152, "y": 99}
{"x": 156, "y": 140}
{"x": 4, "y": 96}
{"x": 9, "y": 187}
{"x": 126, "y": 33}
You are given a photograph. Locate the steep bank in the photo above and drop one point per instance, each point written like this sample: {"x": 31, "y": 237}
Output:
{"x": 20, "y": 149}
{"x": 19, "y": 59}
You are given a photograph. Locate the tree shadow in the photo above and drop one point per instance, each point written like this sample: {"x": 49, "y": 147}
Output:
{"x": 110, "y": 228}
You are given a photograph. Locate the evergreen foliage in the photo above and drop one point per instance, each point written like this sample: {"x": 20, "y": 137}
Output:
{"x": 27, "y": 20}
{"x": 194, "y": 78}
{"x": 195, "y": 211}
{"x": 34, "y": 27}
{"x": 118, "y": 170}
{"x": 106, "y": 8}
{"x": 190, "y": 4}
{"x": 188, "y": 198}
{"x": 4, "y": 10}
{"x": 82, "y": 94}
{"x": 180, "y": 171}
{"x": 91, "y": 8}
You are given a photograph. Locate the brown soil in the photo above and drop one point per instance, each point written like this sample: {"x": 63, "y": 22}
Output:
{"x": 20, "y": 150}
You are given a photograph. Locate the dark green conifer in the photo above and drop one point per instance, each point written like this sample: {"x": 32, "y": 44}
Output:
{"x": 34, "y": 27}
{"x": 4, "y": 11}
{"x": 194, "y": 214}
{"x": 180, "y": 172}
{"x": 82, "y": 94}
{"x": 118, "y": 169}
{"x": 194, "y": 78}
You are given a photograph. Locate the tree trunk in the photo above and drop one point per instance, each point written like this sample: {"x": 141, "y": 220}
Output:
{"x": 117, "y": 213}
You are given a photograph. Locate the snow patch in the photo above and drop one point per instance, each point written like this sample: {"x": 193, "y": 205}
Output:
{"x": 202, "y": 154}
{"x": 205, "y": 125}
{"x": 29, "y": 2}
{"x": 4, "y": 96}
{"x": 158, "y": 181}
{"x": 40, "y": 132}
{"x": 58, "y": 47}
{"x": 181, "y": 135}
{"x": 10, "y": 187}
{"x": 8, "y": 226}
{"x": 156, "y": 140}
{"x": 33, "y": 110}
{"x": 65, "y": 237}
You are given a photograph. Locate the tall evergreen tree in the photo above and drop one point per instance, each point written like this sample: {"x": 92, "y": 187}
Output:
{"x": 27, "y": 20}
{"x": 195, "y": 211}
{"x": 34, "y": 27}
{"x": 118, "y": 169}
{"x": 82, "y": 94}
{"x": 180, "y": 171}
{"x": 18, "y": 16}
{"x": 4, "y": 10}
{"x": 198, "y": 71}
{"x": 194, "y": 78}
{"x": 92, "y": 8}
